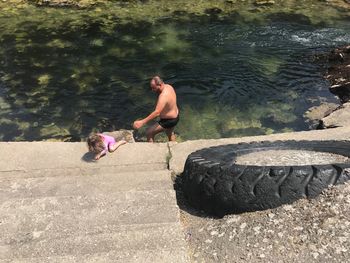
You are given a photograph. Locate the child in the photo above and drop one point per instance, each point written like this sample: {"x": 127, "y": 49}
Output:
{"x": 99, "y": 144}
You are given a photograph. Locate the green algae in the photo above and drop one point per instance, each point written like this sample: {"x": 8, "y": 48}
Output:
{"x": 44, "y": 79}
{"x": 270, "y": 65}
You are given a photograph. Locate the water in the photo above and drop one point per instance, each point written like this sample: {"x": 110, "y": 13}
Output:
{"x": 65, "y": 73}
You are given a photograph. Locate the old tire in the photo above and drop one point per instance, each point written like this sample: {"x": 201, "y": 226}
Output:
{"x": 212, "y": 182}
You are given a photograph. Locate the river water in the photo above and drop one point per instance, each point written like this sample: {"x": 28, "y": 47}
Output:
{"x": 67, "y": 72}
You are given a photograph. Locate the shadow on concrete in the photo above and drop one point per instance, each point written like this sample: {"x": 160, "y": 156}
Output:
{"x": 183, "y": 203}
{"x": 88, "y": 157}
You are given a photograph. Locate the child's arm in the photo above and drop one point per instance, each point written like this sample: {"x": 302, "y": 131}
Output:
{"x": 115, "y": 146}
{"x": 101, "y": 154}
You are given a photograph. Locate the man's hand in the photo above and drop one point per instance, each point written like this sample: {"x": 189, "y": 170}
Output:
{"x": 138, "y": 124}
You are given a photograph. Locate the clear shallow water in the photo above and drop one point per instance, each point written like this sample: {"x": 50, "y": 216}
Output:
{"x": 232, "y": 78}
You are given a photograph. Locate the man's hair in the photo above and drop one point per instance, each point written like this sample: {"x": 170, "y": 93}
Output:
{"x": 95, "y": 143}
{"x": 157, "y": 80}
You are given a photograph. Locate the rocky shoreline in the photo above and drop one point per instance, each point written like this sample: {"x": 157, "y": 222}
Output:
{"x": 330, "y": 115}
{"x": 89, "y": 3}
{"x": 339, "y": 73}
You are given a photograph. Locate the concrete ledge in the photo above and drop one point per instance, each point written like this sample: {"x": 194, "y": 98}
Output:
{"x": 52, "y": 155}
{"x": 180, "y": 151}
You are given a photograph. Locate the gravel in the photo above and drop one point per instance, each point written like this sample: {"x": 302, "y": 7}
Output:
{"x": 315, "y": 230}
{"x": 289, "y": 157}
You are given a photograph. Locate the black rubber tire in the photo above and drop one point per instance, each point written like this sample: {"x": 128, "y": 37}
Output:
{"x": 212, "y": 182}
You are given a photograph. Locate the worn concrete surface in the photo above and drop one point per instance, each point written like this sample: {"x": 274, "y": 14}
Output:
{"x": 52, "y": 155}
{"x": 56, "y": 205}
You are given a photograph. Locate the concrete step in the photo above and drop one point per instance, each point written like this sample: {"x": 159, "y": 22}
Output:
{"x": 24, "y": 156}
{"x": 171, "y": 255}
{"x": 120, "y": 243}
{"x": 66, "y": 215}
{"x": 90, "y": 170}
{"x": 79, "y": 184}
{"x": 56, "y": 206}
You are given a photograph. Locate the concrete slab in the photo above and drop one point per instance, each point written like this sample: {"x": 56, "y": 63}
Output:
{"x": 180, "y": 151}
{"x": 71, "y": 218}
{"x": 171, "y": 255}
{"x": 82, "y": 185}
{"x": 57, "y": 206}
{"x": 43, "y": 155}
{"x": 94, "y": 170}
{"x": 134, "y": 238}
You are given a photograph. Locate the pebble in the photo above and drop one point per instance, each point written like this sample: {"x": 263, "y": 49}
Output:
{"x": 214, "y": 233}
{"x": 233, "y": 219}
{"x": 257, "y": 229}
{"x": 243, "y": 226}
{"x": 315, "y": 255}
{"x": 298, "y": 228}
{"x": 288, "y": 208}
{"x": 342, "y": 239}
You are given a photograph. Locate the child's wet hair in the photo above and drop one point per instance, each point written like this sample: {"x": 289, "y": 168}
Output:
{"x": 95, "y": 143}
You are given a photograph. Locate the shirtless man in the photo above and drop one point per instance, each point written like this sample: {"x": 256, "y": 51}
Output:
{"x": 166, "y": 109}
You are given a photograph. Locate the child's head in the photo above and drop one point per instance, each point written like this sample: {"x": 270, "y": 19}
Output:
{"x": 95, "y": 143}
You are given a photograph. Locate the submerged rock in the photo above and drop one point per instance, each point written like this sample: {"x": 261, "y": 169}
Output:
{"x": 64, "y": 3}
{"x": 264, "y": 2}
{"x": 127, "y": 135}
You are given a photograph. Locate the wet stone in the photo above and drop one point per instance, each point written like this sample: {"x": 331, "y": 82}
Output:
{"x": 264, "y": 2}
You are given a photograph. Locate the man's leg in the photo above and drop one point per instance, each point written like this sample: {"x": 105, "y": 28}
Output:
{"x": 171, "y": 135}
{"x": 152, "y": 131}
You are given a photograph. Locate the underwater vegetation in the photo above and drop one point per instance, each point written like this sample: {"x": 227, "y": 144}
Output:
{"x": 238, "y": 68}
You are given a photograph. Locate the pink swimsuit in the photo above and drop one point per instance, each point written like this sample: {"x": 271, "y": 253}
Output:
{"x": 108, "y": 141}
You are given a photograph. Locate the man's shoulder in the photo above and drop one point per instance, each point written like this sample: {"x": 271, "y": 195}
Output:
{"x": 169, "y": 87}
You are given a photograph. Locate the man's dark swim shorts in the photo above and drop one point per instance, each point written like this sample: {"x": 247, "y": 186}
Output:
{"x": 169, "y": 123}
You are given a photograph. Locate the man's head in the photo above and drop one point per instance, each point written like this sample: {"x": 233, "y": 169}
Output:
{"x": 156, "y": 83}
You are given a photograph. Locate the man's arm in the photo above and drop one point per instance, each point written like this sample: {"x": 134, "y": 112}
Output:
{"x": 160, "y": 106}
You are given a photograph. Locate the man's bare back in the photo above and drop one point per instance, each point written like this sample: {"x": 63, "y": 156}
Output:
{"x": 166, "y": 109}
